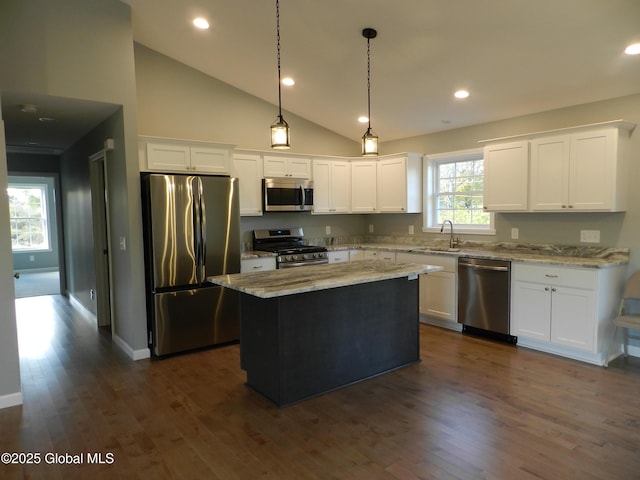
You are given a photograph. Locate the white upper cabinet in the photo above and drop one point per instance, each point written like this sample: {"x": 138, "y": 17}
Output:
{"x": 581, "y": 172}
{"x": 364, "y": 186}
{"x": 399, "y": 183}
{"x": 506, "y": 168}
{"x": 177, "y": 156}
{"x": 581, "y": 168}
{"x": 332, "y": 186}
{"x": 247, "y": 167}
{"x": 287, "y": 166}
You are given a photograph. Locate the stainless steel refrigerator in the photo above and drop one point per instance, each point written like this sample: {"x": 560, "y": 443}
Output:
{"x": 191, "y": 231}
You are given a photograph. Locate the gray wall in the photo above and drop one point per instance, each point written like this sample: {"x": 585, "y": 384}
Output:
{"x": 176, "y": 101}
{"x": 83, "y": 49}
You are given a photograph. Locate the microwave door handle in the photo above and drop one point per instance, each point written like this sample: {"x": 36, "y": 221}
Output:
{"x": 303, "y": 197}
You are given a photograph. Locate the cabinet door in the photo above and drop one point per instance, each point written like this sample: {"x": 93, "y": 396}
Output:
{"x": 531, "y": 310}
{"x": 168, "y": 157}
{"x": 593, "y": 166}
{"x": 371, "y": 255}
{"x": 210, "y": 160}
{"x": 364, "y": 185}
{"x": 573, "y": 317}
{"x": 299, "y": 168}
{"x": 549, "y": 181}
{"x": 355, "y": 255}
{"x": 340, "y": 187}
{"x": 438, "y": 295}
{"x": 321, "y": 186}
{"x": 248, "y": 169}
{"x": 506, "y": 170}
{"x": 392, "y": 185}
{"x": 275, "y": 166}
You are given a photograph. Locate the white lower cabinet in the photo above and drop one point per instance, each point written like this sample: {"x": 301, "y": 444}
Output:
{"x": 260, "y": 264}
{"x": 356, "y": 254}
{"x": 438, "y": 290}
{"x": 565, "y": 310}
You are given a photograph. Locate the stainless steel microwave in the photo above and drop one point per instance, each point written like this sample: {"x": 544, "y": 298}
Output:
{"x": 287, "y": 194}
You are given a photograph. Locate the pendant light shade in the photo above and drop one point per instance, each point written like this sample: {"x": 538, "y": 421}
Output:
{"x": 280, "y": 134}
{"x": 369, "y": 139}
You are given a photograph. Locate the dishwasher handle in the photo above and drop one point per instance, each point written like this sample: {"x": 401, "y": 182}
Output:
{"x": 483, "y": 267}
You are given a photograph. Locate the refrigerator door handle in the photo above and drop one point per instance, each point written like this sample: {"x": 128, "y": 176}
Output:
{"x": 196, "y": 216}
{"x": 202, "y": 272}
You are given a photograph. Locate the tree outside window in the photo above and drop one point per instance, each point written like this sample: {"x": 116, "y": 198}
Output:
{"x": 28, "y": 217}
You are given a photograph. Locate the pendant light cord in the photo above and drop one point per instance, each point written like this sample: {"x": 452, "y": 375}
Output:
{"x": 369, "y": 81}
{"x": 278, "y": 56}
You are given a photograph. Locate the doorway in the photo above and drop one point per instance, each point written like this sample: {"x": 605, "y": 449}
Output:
{"x": 35, "y": 234}
{"x": 101, "y": 228}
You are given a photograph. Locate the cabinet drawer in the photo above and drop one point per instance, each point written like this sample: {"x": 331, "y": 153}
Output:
{"x": 339, "y": 257}
{"x": 554, "y": 275}
{"x": 260, "y": 264}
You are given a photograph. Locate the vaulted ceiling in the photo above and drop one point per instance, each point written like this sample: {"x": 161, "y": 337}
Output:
{"x": 515, "y": 57}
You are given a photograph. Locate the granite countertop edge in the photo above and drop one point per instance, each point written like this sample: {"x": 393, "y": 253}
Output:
{"x": 278, "y": 283}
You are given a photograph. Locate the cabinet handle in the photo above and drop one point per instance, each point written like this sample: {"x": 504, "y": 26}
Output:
{"x": 570, "y": 206}
{"x": 485, "y": 208}
{"x": 564, "y": 206}
{"x": 553, "y": 290}
{"x": 258, "y": 267}
{"x": 548, "y": 275}
{"x": 546, "y": 289}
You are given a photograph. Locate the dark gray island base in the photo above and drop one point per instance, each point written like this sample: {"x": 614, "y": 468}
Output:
{"x": 300, "y": 345}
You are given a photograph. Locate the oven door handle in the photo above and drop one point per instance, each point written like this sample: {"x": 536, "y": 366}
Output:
{"x": 302, "y": 264}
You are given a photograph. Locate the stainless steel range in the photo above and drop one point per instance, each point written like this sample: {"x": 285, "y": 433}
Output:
{"x": 288, "y": 244}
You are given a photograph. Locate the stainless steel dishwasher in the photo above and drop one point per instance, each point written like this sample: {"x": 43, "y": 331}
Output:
{"x": 484, "y": 297}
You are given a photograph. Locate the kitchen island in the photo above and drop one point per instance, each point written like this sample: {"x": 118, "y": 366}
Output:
{"x": 309, "y": 330}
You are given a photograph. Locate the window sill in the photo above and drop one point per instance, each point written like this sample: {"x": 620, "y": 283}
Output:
{"x": 461, "y": 231}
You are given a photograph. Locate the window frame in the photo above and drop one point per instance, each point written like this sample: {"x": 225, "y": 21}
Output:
{"x": 429, "y": 222}
{"x": 44, "y": 188}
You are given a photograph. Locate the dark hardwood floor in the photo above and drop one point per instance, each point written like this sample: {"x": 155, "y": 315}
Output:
{"x": 472, "y": 409}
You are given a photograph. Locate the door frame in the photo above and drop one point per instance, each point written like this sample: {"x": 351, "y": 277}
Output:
{"x": 98, "y": 170}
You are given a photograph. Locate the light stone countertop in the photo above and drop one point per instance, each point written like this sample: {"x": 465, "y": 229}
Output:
{"x": 571, "y": 256}
{"x": 289, "y": 281}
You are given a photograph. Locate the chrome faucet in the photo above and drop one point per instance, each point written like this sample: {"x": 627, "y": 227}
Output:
{"x": 452, "y": 242}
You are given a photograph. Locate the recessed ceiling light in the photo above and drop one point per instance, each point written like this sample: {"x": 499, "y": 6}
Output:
{"x": 461, "y": 94}
{"x": 47, "y": 119}
{"x": 633, "y": 49}
{"x": 288, "y": 81}
{"x": 201, "y": 23}
{"x": 363, "y": 119}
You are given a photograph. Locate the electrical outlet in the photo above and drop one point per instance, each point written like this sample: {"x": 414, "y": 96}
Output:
{"x": 590, "y": 236}
{"x": 515, "y": 233}
{"x": 123, "y": 244}
{"x": 411, "y": 230}
{"x": 327, "y": 229}
{"x": 371, "y": 228}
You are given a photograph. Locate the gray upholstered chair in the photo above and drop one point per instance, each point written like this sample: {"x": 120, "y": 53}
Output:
{"x": 625, "y": 319}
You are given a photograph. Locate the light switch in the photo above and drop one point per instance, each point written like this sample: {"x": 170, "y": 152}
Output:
{"x": 515, "y": 233}
{"x": 590, "y": 236}
{"x": 411, "y": 230}
{"x": 123, "y": 244}
{"x": 327, "y": 229}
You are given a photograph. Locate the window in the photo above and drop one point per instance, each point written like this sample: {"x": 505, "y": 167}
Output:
{"x": 454, "y": 186}
{"x": 28, "y": 217}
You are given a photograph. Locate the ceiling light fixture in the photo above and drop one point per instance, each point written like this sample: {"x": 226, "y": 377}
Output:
{"x": 280, "y": 128}
{"x": 461, "y": 94}
{"x": 288, "y": 81}
{"x": 369, "y": 140}
{"x": 201, "y": 23}
{"x": 633, "y": 49}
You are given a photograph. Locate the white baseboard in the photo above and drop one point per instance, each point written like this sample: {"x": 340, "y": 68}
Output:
{"x": 10, "y": 400}
{"x": 90, "y": 316}
{"x": 140, "y": 354}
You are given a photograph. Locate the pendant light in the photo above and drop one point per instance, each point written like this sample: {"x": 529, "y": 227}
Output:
{"x": 279, "y": 128}
{"x": 369, "y": 139}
